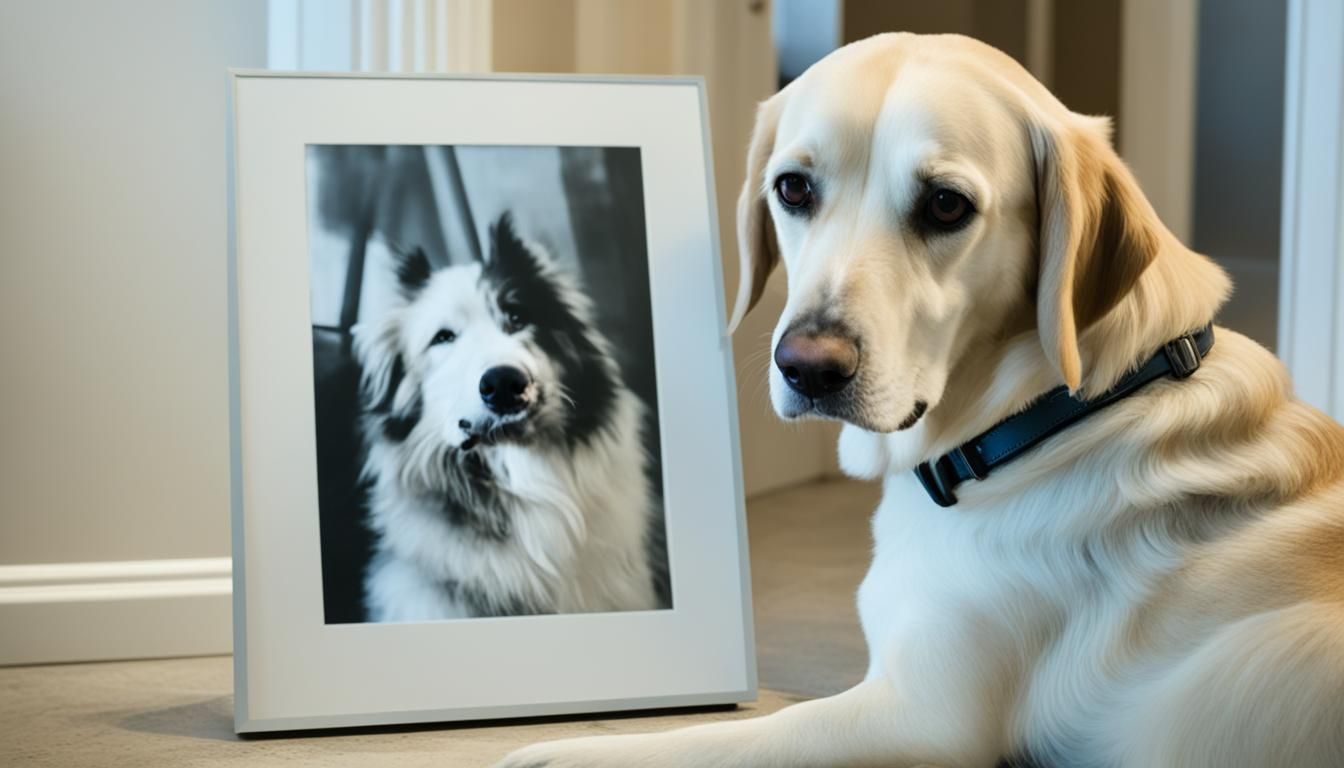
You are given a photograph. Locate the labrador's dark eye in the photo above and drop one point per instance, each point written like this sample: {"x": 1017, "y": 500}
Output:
{"x": 794, "y": 190}
{"x": 444, "y": 336}
{"x": 946, "y": 209}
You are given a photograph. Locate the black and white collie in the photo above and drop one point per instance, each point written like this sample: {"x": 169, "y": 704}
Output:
{"x": 506, "y": 463}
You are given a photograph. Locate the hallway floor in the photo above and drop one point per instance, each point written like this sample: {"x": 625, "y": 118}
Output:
{"x": 809, "y": 549}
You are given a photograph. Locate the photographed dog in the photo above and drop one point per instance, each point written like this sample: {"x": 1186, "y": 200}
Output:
{"x": 506, "y": 461}
{"x": 1161, "y": 583}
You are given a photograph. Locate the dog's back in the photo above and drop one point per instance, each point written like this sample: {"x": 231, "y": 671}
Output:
{"x": 1142, "y": 590}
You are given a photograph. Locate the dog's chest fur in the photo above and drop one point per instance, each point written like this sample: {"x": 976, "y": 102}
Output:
{"x": 1015, "y": 609}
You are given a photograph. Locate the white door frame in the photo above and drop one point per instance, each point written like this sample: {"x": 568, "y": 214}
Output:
{"x": 380, "y": 35}
{"x": 1158, "y": 63}
{"x": 1311, "y": 286}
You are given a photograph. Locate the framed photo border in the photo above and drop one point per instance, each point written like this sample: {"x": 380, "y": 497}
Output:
{"x": 243, "y": 721}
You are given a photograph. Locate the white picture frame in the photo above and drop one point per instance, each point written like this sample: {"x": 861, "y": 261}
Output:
{"x": 293, "y": 670}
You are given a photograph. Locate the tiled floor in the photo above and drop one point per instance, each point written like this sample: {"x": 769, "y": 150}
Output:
{"x": 809, "y": 548}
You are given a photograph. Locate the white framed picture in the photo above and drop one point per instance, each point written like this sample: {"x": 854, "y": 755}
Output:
{"x": 485, "y": 453}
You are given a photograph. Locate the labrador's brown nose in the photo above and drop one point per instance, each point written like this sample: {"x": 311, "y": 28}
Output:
{"x": 816, "y": 365}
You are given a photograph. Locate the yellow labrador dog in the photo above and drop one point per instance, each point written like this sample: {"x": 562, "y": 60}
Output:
{"x": 1159, "y": 582}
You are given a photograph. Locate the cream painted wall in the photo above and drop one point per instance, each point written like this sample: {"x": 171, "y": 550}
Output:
{"x": 729, "y": 43}
{"x": 112, "y": 309}
{"x": 113, "y": 399}
{"x": 527, "y": 36}
{"x": 113, "y": 402}
{"x": 114, "y": 496}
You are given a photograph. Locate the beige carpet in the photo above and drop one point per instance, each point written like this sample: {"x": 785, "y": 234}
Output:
{"x": 809, "y": 547}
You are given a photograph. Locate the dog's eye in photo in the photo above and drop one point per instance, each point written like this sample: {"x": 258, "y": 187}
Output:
{"x": 444, "y": 336}
{"x": 947, "y": 209}
{"x": 794, "y": 190}
{"x": 513, "y": 321}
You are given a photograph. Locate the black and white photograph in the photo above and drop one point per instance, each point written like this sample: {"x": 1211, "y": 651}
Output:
{"x": 484, "y": 382}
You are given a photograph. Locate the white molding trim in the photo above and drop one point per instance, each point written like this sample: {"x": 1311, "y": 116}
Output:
{"x": 130, "y": 579}
{"x": 1311, "y": 324}
{"x": 114, "y": 610}
{"x": 463, "y": 31}
{"x": 380, "y": 35}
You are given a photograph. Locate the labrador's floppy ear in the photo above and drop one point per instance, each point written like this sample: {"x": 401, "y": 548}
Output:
{"x": 757, "y": 250}
{"x": 1098, "y": 234}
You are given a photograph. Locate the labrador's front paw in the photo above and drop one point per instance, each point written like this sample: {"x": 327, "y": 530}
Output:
{"x": 590, "y": 752}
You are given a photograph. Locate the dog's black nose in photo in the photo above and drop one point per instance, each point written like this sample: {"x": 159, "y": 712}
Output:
{"x": 816, "y": 365}
{"x": 502, "y": 389}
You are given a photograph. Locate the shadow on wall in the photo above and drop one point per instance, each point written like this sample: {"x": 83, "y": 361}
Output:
{"x": 1239, "y": 155}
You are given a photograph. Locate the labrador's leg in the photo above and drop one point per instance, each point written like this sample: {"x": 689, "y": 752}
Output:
{"x": 868, "y": 725}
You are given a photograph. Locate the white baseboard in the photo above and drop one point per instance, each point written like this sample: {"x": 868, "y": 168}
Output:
{"x": 119, "y": 610}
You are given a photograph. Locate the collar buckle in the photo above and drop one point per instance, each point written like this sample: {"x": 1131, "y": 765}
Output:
{"x": 934, "y": 478}
{"x": 969, "y": 455}
{"x": 1183, "y": 356}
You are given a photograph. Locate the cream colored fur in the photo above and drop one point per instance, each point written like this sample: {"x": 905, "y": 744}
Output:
{"x": 1161, "y": 584}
